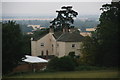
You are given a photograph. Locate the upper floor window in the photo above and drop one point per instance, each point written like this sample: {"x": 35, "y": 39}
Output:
{"x": 42, "y": 44}
{"x": 73, "y": 45}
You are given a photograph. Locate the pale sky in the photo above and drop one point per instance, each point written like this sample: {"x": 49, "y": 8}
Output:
{"x": 48, "y": 8}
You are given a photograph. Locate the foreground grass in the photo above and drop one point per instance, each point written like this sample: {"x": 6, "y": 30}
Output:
{"x": 73, "y": 74}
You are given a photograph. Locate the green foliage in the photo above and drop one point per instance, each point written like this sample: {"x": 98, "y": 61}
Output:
{"x": 61, "y": 64}
{"x": 66, "y": 64}
{"x": 89, "y": 50}
{"x": 12, "y": 46}
{"x": 53, "y": 64}
{"x": 107, "y": 33}
{"x": 27, "y": 44}
{"x": 72, "y": 54}
{"x": 64, "y": 18}
{"x": 75, "y": 58}
{"x": 102, "y": 47}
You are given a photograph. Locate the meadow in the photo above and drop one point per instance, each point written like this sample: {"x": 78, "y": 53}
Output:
{"x": 70, "y": 74}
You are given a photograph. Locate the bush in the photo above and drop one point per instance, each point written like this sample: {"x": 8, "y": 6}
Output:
{"x": 75, "y": 58}
{"x": 61, "y": 64}
{"x": 53, "y": 64}
{"x": 66, "y": 64}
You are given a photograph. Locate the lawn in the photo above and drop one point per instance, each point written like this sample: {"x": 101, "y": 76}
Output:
{"x": 73, "y": 74}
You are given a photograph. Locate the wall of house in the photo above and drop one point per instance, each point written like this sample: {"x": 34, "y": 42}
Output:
{"x": 54, "y": 48}
{"x": 54, "y": 45}
{"x": 33, "y": 48}
{"x": 37, "y": 49}
{"x": 70, "y": 48}
{"x": 65, "y": 47}
{"x": 60, "y": 49}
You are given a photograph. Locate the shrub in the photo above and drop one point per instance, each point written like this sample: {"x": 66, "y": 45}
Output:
{"x": 61, "y": 64}
{"x": 75, "y": 58}
{"x": 53, "y": 64}
{"x": 66, "y": 64}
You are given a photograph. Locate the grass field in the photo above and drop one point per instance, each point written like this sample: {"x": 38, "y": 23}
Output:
{"x": 73, "y": 74}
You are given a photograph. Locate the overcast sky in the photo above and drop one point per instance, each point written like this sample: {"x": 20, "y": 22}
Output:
{"x": 49, "y": 8}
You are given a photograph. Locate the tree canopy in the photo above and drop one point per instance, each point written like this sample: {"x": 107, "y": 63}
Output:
{"x": 107, "y": 33}
{"x": 64, "y": 18}
{"x": 12, "y": 46}
{"x": 105, "y": 39}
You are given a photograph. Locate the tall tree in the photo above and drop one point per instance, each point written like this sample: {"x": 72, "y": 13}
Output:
{"x": 64, "y": 18}
{"x": 107, "y": 33}
{"x": 102, "y": 47}
{"x": 12, "y": 46}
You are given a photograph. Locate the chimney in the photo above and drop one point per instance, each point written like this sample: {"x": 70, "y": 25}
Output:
{"x": 51, "y": 30}
{"x": 71, "y": 30}
{"x": 65, "y": 30}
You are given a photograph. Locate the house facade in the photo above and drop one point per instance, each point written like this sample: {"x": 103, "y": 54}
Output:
{"x": 59, "y": 43}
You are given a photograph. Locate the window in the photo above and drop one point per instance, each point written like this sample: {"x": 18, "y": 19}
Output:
{"x": 42, "y": 53}
{"x": 47, "y": 52}
{"x": 57, "y": 45}
{"x": 73, "y": 45}
{"x": 42, "y": 44}
{"x": 52, "y": 45}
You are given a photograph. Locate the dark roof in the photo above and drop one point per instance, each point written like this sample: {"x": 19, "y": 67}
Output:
{"x": 35, "y": 38}
{"x": 57, "y": 34}
{"x": 71, "y": 37}
{"x": 63, "y": 37}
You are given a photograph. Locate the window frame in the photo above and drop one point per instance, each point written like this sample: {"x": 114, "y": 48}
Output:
{"x": 73, "y": 45}
{"x": 42, "y": 44}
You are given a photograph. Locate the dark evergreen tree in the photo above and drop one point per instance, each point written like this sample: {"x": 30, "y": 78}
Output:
{"x": 12, "y": 46}
{"x": 107, "y": 34}
{"x": 64, "y": 18}
{"x": 102, "y": 47}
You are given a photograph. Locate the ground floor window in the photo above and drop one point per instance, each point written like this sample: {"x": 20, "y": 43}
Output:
{"x": 42, "y": 53}
{"x": 47, "y": 52}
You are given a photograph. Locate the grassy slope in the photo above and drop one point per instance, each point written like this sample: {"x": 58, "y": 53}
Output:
{"x": 75, "y": 74}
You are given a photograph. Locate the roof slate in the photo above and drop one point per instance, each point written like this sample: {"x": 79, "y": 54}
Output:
{"x": 64, "y": 37}
{"x": 35, "y": 38}
{"x": 70, "y": 37}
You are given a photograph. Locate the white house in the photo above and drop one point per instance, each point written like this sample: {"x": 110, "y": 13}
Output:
{"x": 58, "y": 43}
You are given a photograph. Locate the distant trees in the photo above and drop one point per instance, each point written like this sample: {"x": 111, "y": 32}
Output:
{"x": 103, "y": 44}
{"x": 64, "y": 18}
{"x": 12, "y": 46}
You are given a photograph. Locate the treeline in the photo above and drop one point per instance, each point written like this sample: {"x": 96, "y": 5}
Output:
{"x": 46, "y": 23}
{"x": 101, "y": 49}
